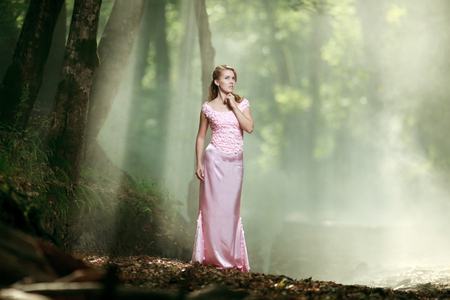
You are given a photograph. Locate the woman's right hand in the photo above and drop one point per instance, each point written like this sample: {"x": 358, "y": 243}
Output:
{"x": 199, "y": 173}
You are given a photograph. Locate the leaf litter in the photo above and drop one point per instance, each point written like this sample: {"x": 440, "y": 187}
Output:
{"x": 172, "y": 275}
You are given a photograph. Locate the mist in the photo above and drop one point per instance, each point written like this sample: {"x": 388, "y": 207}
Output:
{"x": 346, "y": 171}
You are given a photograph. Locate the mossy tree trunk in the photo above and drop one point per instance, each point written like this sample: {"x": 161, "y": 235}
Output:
{"x": 114, "y": 50}
{"x": 23, "y": 78}
{"x": 70, "y": 110}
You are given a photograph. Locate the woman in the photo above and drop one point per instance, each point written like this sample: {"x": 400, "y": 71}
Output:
{"x": 219, "y": 240}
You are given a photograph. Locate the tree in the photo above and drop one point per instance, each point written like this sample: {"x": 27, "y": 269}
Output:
{"x": 114, "y": 50}
{"x": 184, "y": 108}
{"x": 50, "y": 77}
{"x": 207, "y": 51}
{"x": 70, "y": 110}
{"x": 11, "y": 21}
{"x": 150, "y": 98}
{"x": 20, "y": 86}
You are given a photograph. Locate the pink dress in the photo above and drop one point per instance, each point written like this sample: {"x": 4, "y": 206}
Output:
{"x": 219, "y": 240}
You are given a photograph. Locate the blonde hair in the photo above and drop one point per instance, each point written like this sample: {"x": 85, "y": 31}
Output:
{"x": 214, "y": 89}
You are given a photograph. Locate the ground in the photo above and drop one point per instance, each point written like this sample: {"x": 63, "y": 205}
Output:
{"x": 171, "y": 275}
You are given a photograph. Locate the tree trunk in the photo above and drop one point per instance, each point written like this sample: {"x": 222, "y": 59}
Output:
{"x": 69, "y": 114}
{"x": 9, "y": 27}
{"x": 149, "y": 103}
{"x": 50, "y": 78}
{"x": 142, "y": 46}
{"x": 114, "y": 50}
{"x": 184, "y": 109}
{"x": 207, "y": 51}
{"x": 23, "y": 78}
{"x": 162, "y": 63}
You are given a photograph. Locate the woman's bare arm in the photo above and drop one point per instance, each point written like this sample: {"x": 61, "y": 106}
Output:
{"x": 244, "y": 118}
{"x": 200, "y": 145}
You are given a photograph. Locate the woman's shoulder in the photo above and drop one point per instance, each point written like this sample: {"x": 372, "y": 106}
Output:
{"x": 244, "y": 104}
{"x": 205, "y": 105}
{"x": 206, "y": 108}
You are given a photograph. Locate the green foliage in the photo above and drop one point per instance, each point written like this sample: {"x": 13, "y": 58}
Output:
{"x": 22, "y": 152}
{"x": 87, "y": 198}
{"x": 103, "y": 197}
{"x": 149, "y": 196}
{"x": 346, "y": 39}
{"x": 143, "y": 187}
{"x": 292, "y": 100}
{"x": 24, "y": 100}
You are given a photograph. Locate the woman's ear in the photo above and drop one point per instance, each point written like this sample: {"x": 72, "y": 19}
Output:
{"x": 216, "y": 82}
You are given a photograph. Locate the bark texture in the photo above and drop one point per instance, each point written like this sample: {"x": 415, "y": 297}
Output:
{"x": 70, "y": 110}
{"x": 114, "y": 51}
{"x": 23, "y": 78}
{"x": 207, "y": 51}
{"x": 50, "y": 77}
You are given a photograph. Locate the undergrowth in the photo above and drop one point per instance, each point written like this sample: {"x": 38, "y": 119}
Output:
{"x": 102, "y": 202}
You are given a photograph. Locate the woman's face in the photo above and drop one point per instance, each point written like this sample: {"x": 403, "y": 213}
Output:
{"x": 226, "y": 81}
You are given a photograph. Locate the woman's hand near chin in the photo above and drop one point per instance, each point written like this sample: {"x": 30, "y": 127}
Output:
{"x": 230, "y": 100}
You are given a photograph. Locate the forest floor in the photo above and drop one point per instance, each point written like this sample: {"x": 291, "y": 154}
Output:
{"x": 175, "y": 276}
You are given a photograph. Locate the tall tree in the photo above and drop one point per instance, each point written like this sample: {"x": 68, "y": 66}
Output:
{"x": 114, "y": 50}
{"x": 207, "y": 51}
{"x": 162, "y": 61}
{"x": 70, "y": 110}
{"x": 50, "y": 78}
{"x": 150, "y": 98}
{"x": 183, "y": 111}
{"x": 20, "y": 86}
{"x": 10, "y": 25}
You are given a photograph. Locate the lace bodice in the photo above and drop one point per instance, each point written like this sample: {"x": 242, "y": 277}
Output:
{"x": 226, "y": 133}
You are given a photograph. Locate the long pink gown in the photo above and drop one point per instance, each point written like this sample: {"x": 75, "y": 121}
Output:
{"x": 219, "y": 240}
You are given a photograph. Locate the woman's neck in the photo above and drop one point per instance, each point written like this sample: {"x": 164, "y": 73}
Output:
{"x": 222, "y": 95}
